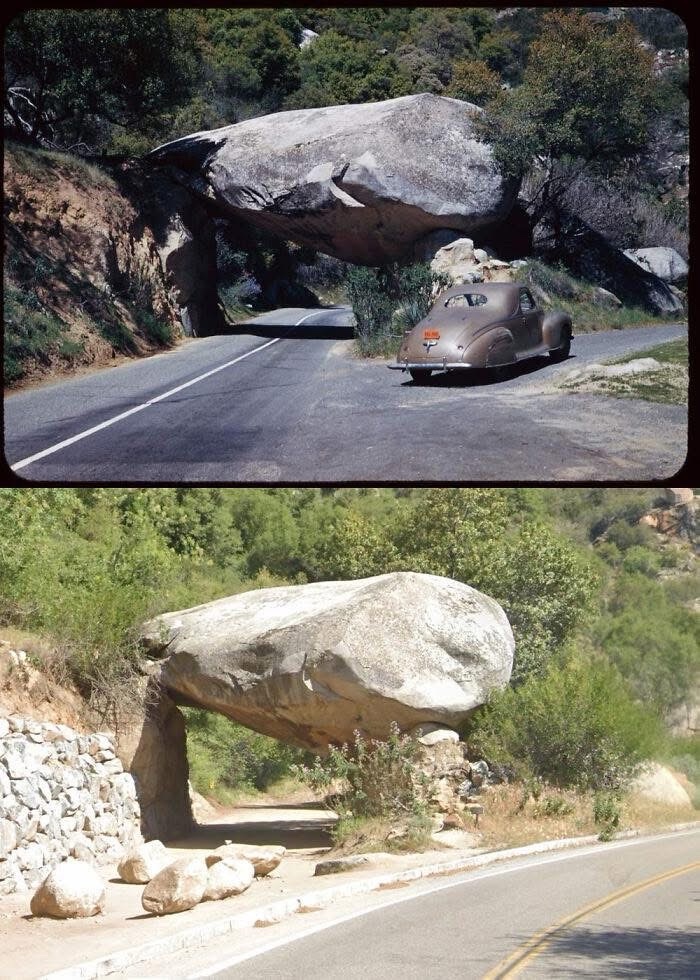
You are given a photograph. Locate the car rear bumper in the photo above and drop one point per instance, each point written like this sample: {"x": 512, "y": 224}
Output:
{"x": 429, "y": 366}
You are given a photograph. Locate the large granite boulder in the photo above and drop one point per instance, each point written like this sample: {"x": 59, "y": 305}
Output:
{"x": 661, "y": 261}
{"x": 361, "y": 182}
{"x": 588, "y": 255}
{"x": 310, "y": 664}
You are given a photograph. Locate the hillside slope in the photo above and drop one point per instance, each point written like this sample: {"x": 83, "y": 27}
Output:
{"x": 92, "y": 263}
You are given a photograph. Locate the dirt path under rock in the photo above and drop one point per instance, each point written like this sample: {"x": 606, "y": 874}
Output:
{"x": 297, "y": 826}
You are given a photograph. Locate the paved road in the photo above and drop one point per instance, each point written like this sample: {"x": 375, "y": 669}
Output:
{"x": 286, "y": 402}
{"x": 627, "y": 909}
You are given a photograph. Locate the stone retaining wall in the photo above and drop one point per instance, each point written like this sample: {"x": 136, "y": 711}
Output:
{"x": 61, "y": 794}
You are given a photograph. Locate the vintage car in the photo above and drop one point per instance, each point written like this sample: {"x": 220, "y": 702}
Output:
{"x": 482, "y": 325}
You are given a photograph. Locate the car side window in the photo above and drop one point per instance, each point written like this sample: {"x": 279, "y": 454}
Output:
{"x": 527, "y": 303}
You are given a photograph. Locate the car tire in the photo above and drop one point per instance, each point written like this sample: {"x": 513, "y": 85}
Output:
{"x": 420, "y": 375}
{"x": 562, "y": 352}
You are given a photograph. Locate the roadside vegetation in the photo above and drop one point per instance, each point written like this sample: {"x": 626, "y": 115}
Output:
{"x": 665, "y": 382}
{"x": 604, "y": 610}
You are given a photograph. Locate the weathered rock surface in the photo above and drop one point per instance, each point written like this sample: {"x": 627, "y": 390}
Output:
{"x": 658, "y": 783}
{"x": 361, "y": 182}
{"x": 464, "y": 263}
{"x": 311, "y": 664}
{"x": 334, "y": 866}
{"x": 264, "y": 858}
{"x": 588, "y": 255}
{"x": 73, "y": 890}
{"x": 227, "y": 877}
{"x": 178, "y": 887}
{"x": 62, "y": 794}
{"x": 144, "y": 862}
{"x": 663, "y": 262}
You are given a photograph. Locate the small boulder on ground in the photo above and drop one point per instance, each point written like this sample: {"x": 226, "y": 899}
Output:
{"x": 333, "y": 866}
{"x": 73, "y": 890}
{"x": 143, "y": 862}
{"x": 264, "y": 858}
{"x": 178, "y": 887}
{"x": 658, "y": 783}
{"x": 230, "y": 876}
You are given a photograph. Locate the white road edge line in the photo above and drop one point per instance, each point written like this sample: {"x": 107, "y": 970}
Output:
{"x": 152, "y": 401}
{"x": 521, "y": 865}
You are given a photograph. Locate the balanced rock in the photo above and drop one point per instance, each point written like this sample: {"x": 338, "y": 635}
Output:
{"x": 73, "y": 890}
{"x": 361, "y": 182}
{"x": 311, "y": 664}
{"x": 227, "y": 877}
{"x": 176, "y": 888}
{"x": 143, "y": 862}
{"x": 264, "y": 858}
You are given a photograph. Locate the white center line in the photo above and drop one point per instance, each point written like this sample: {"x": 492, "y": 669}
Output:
{"x": 139, "y": 408}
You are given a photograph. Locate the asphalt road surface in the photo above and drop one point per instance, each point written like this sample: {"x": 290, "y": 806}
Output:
{"x": 282, "y": 400}
{"x": 625, "y": 909}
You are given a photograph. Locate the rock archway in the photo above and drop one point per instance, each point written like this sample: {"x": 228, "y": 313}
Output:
{"x": 368, "y": 184}
{"x": 311, "y": 664}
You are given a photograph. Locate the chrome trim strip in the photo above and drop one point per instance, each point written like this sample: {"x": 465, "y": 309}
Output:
{"x": 422, "y": 366}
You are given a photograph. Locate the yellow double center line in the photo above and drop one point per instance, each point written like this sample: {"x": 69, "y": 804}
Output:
{"x": 512, "y": 965}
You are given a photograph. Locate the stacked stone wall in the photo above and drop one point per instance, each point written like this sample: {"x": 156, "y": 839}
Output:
{"x": 62, "y": 794}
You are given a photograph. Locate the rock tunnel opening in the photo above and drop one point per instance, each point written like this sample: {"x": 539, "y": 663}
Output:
{"x": 181, "y": 742}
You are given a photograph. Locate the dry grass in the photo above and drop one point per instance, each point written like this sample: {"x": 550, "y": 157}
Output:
{"x": 506, "y": 822}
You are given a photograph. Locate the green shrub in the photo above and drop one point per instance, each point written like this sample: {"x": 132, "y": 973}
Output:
{"x": 553, "y": 806}
{"x": 31, "y": 333}
{"x": 226, "y": 758}
{"x": 155, "y": 329}
{"x": 606, "y": 813}
{"x": 117, "y": 334}
{"x": 389, "y": 300}
{"x": 372, "y": 308}
{"x": 575, "y": 726}
{"x": 378, "y": 778}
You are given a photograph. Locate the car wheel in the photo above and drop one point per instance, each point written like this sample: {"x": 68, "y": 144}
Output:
{"x": 420, "y": 375}
{"x": 561, "y": 353}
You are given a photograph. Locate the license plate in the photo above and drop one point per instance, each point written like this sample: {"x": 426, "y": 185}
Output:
{"x": 431, "y": 334}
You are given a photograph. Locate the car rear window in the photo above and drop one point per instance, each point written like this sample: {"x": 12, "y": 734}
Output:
{"x": 467, "y": 299}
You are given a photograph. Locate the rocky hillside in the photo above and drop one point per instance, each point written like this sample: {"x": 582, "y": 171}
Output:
{"x": 99, "y": 263}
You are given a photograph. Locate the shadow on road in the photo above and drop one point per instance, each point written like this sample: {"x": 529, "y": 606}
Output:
{"x": 625, "y": 952}
{"x": 320, "y": 328}
{"x": 484, "y": 377}
{"x": 314, "y": 331}
{"x": 292, "y": 834}
{"x": 280, "y": 823}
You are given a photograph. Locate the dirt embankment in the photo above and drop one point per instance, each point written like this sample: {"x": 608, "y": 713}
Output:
{"x": 100, "y": 263}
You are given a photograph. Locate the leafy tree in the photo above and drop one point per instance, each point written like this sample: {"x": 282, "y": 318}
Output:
{"x": 588, "y": 94}
{"x": 575, "y": 725}
{"x": 354, "y": 547}
{"x": 546, "y": 588}
{"x": 268, "y": 531}
{"x": 337, "y": 70}
{"x": 453, "y": 532}
{"x": 473, "y": 81}
{"x": 72, "y": 75}
{"x": 653, "y": 642}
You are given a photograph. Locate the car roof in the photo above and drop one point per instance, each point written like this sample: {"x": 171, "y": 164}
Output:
{"x": 500, "y": 294}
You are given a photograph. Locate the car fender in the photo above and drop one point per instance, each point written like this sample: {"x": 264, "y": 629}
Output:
{"x": 491, "y": 348}
{"x": 553, "y": 329}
